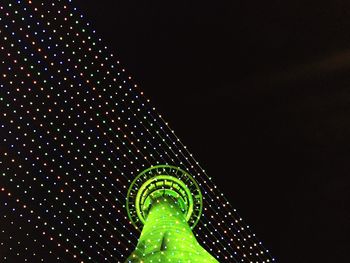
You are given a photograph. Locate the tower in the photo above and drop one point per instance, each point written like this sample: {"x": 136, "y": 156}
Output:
{"x": 165, "y": 202}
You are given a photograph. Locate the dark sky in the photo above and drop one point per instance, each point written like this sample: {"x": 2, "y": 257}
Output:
{"x": 259, "y": 91}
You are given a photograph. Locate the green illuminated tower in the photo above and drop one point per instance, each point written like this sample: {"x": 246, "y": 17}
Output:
{"x": 165, "y": 202}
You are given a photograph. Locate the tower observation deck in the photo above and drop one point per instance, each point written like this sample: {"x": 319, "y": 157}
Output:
{"x": 165, "y": 203}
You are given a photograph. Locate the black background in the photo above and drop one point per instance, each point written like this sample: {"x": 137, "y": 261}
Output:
{"x": 259, "y": 91}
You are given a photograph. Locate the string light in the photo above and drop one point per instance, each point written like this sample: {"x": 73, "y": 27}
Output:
{"x": 75, "y": 131}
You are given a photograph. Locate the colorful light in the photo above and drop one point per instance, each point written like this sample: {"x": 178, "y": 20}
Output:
{"x": 75, "y": 130}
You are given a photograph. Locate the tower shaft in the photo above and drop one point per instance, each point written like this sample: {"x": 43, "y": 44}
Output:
{"x": 167, "y": 237}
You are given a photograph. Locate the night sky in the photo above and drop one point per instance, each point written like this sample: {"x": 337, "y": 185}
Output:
{"x": 260, "y": 93}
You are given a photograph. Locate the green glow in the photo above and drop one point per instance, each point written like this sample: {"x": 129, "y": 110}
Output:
{"x": 174, "y": 187}
{"x": 165, "y": 202}
{"x": 181, "y": 183}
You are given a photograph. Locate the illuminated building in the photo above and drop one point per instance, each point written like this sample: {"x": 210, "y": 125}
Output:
{"x": 168, "y": 202}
